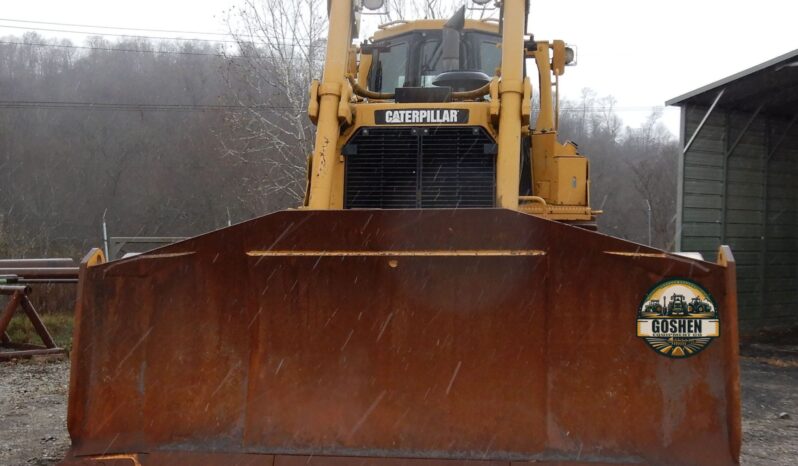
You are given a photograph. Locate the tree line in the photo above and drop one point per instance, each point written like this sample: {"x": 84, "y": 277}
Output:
{"x": 147, "y": 137}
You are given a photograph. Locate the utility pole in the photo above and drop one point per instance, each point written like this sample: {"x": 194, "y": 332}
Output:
{"x": 648, "y": 205}
{"x": 105, "y": 236}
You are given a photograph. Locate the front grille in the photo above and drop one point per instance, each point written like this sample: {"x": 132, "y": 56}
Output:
{"x": 405, "y": 168}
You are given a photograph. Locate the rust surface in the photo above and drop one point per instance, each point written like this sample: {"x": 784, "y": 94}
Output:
{"x": 238, "y": 459}
{"x": 331, "y": 350}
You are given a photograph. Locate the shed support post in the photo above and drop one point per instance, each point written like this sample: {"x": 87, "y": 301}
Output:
{"x": 680, "y": 183}
{"x": 763, "y": 226}
{"x": 703, "y": 121}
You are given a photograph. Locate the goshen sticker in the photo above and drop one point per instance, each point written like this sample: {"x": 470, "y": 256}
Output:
{"x": 678, "y": 318}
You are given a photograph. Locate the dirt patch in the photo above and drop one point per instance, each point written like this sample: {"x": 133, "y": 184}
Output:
{"x": 33, "y": 409}
{"x": 33, "y": 397}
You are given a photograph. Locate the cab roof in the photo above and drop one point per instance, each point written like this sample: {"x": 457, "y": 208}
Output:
{"x": 396, "y": 28}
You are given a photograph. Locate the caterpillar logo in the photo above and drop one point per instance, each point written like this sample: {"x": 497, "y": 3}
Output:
{"x": 421, "y": 116}
{"x": 678, "y": 318}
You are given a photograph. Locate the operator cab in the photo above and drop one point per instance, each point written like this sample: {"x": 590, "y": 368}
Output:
{"x": 414, "y": 59}
{"x": 453, "y": 56}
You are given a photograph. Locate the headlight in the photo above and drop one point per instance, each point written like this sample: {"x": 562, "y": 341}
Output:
{"x": 373, "y": 4}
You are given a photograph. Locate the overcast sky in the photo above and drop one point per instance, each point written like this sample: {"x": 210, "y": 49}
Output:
{"x": 642, "y": 52}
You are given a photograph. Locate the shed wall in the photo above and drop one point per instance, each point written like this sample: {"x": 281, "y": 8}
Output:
{"x": 739, "y": 187}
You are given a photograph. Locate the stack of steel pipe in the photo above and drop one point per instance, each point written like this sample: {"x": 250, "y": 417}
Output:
{"x": 25, "y": 271}
{"x": 11, "y": 289}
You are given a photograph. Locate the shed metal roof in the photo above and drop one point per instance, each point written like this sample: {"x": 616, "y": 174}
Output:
{"x": 772, "y": 84}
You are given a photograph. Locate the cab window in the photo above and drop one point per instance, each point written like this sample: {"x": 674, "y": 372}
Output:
{"x": 429, "y": 61}
{"x": 490, "y": 57}
{"x": 389, "y": 68}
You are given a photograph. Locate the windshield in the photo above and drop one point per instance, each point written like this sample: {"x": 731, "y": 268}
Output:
{"x": 414, "y": 60}
{"x": 490, "y": 55}
{"x": 430, "y": 61}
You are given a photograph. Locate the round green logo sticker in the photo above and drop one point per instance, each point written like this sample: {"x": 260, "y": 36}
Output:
{"x": 678, "y": 318}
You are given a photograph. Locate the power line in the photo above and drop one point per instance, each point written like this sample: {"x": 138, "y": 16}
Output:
{"x": 121, "y": 28}
{"x": 223, "y": 34}
{"x": 110, "y": 49}
{"x": 212, "y": 41}
{"x": 641, "y": 108}
{"x": 122, "y": 106}
{"x": 114, "y": 49}
{"x": 92, "y": 33}
{"x": 126, "y": 109}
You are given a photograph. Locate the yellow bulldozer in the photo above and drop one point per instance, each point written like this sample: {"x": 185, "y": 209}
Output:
{"x": 439, "y": 299}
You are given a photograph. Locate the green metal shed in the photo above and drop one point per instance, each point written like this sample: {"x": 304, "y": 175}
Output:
{"x": 738, "y": 184}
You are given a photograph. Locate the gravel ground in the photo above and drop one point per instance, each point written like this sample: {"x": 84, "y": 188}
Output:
{"x": 769, "y": 380}
{"x": 33, "y": 397}
{"x": 33, "y": 409}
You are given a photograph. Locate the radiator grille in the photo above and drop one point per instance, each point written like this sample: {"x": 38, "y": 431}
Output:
{"x": 403, "y": 168}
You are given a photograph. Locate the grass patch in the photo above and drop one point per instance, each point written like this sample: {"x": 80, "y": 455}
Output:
{"x": 59, "y": 325}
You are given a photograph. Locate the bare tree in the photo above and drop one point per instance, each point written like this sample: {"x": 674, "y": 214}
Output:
{"x": 434, "y": 9}
{"x": 420, "y": 9}
{"x": 280, "y": 49}
{"x": 655, "y": 172}
{"x": 627, "y": 168}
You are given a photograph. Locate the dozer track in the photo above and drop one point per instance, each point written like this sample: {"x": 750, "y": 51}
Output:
{"x": 387, "y": 338}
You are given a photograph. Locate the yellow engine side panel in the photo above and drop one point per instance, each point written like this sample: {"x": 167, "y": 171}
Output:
{"x": 570, "y": 183}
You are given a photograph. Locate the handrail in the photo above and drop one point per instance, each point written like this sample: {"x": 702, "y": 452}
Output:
{"x": 392, "y": 23}
{"x": 533, "y": 199}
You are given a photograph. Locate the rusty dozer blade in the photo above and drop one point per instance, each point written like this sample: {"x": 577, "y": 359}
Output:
{"x": 387, "y": 338}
